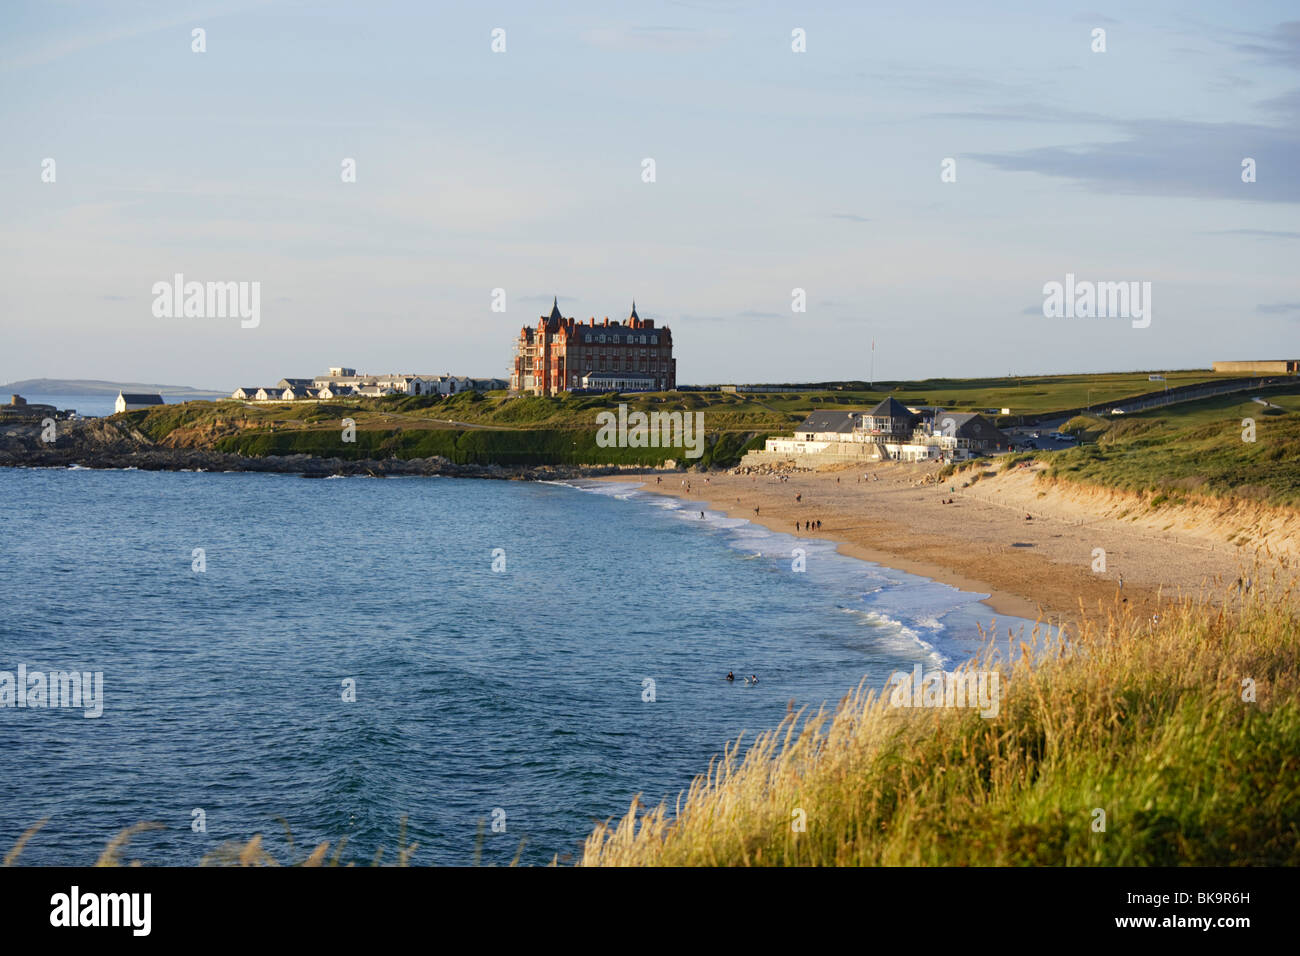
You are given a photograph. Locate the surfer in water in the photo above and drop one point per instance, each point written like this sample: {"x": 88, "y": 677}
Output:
{"x": 730, "y": 676}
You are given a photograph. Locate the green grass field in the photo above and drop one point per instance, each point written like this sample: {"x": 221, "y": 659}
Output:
{"x": 1196, "y": 449}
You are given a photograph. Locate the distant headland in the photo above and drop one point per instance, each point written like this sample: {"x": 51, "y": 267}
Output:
{"x": 90, "y": 386}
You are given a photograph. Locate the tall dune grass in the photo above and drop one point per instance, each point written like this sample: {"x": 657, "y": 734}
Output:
{"x": 1144, "y": 721}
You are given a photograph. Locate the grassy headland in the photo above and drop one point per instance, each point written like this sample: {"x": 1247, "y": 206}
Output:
{"x": 1184, "y": 733}
{"x": 1192, "y": 450}
{"x": 496, "y": 428}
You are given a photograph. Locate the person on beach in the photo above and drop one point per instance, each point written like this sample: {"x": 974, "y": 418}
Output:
{"x": 755, "y": 511}
{"x": 701, "y": 515}
{"x": 819, "y": 524}
{"x": 798, "y": 498}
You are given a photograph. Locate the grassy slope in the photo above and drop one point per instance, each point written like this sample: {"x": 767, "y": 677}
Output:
{"x": 1192, "y": 449}
{"x": 1145, "y": 722}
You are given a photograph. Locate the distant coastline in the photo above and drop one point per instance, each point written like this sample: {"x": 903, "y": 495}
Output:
{"x": 99, "y": 387}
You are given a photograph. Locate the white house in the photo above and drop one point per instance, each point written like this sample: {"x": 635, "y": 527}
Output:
{"x": 129, "y": 402}
{"x": 334, "y": 391}
{"x": 245, "y": 394}
{"x": 272, "y": 393}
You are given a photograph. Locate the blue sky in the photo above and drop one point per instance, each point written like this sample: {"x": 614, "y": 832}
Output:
{"x": 521, "y": 170}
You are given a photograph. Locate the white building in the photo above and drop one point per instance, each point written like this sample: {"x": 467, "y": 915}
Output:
{"x": 619, "y": 382}
{"x": 129, "y": 402}
{"x": 334, "y": 391}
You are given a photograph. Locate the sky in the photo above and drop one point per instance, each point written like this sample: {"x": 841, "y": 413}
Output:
{"x": 523, "y": 171}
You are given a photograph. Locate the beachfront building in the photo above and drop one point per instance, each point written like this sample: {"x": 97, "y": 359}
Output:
{"x": 889, "y": 432}
{"x": 245, "y": 393}
{"x": 560, "y": 352}
{"x": 891, "y": 418}
{"x": 130, "y": 401}
{"x": 829, "y": 427}
{"x": 972, "y": 432}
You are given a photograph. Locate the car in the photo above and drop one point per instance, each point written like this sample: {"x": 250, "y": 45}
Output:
{"x": 1035, "y": 435}
{"x": 1031, "y": 444}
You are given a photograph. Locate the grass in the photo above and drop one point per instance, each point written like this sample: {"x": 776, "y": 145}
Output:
{"x": 1193, "y": 449}
{"x": 1144, "y": 722}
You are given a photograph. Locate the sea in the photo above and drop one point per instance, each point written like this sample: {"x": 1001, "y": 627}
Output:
{"x": 86, "y": 406}
{"x": 485, "y": 669}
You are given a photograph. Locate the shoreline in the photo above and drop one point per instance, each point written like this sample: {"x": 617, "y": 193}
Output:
{"x": 1000, "y": 601}
{"x": 1033, "y": 550}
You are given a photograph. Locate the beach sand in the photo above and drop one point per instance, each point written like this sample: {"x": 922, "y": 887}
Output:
{"x": 982, "y": 542}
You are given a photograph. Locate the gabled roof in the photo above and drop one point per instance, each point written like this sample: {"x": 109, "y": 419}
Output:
{"x": 830, "y": 421}
{"x": 891, "y": 408}
{"x": 972, "y": 425}
{"x": 135, "y": 398}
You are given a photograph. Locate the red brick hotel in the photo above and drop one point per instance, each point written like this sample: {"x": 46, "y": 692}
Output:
{"x": 561, "y": 355}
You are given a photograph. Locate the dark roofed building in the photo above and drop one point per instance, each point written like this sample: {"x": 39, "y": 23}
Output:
{"x": 972, "y": 431}
{"x": 828, "y": 426}
{"x": 130, "y": 402}
{"x": 891, "y": 417}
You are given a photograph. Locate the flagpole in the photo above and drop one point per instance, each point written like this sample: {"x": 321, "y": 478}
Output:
{"x": 873, "y": 363}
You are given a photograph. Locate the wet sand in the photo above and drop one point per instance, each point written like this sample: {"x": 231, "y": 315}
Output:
{"x": 1034, "y": 557}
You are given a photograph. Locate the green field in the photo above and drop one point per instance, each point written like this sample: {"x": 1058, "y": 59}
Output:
{"x": 1196, "y": 449}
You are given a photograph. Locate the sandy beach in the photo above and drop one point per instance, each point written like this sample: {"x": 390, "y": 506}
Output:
{"x": 1030, "y": 549}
